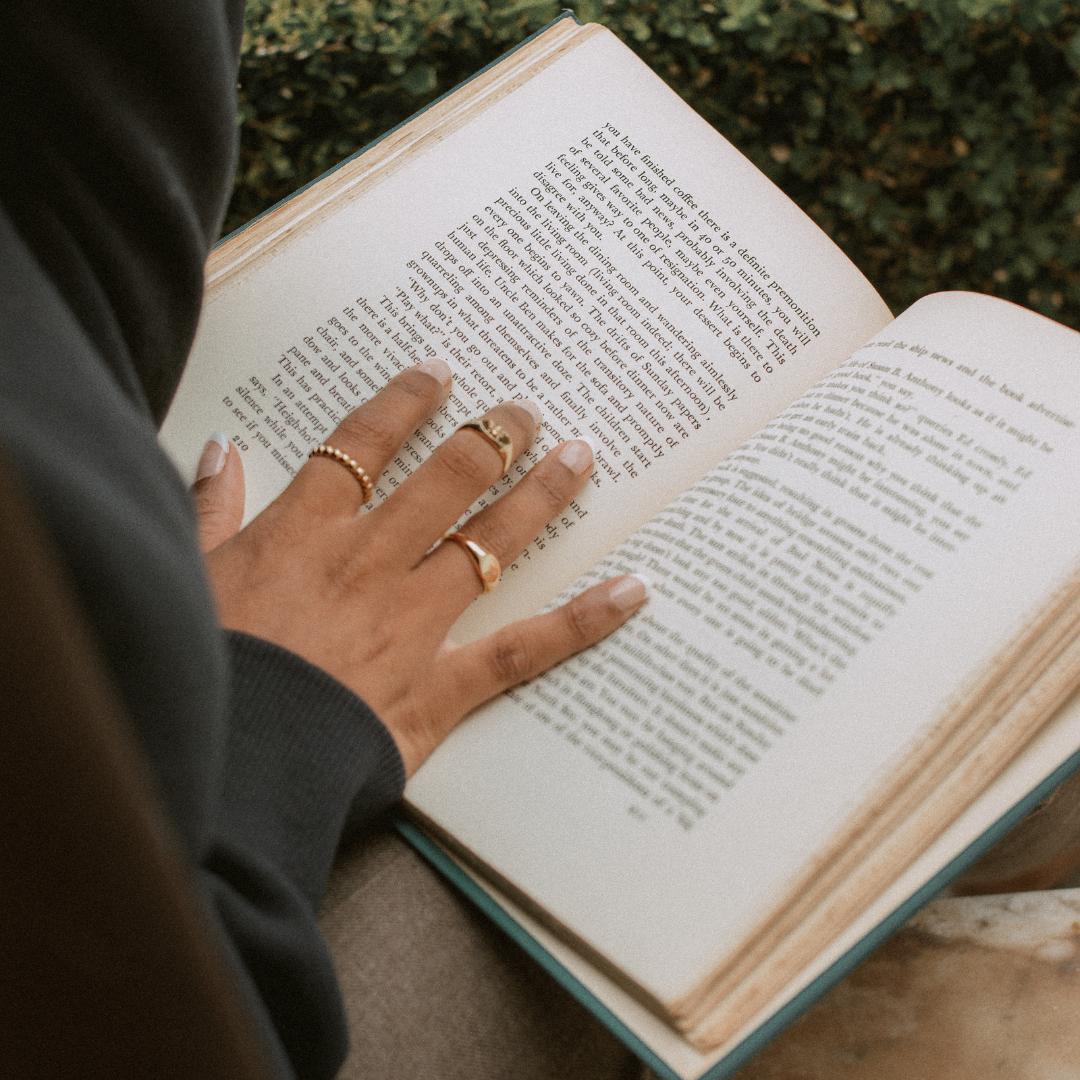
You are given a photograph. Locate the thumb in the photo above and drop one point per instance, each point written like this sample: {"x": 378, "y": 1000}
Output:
{"x": 218, "y": 492}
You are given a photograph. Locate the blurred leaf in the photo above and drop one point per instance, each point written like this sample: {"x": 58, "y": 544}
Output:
{"x": 419, "y": 80}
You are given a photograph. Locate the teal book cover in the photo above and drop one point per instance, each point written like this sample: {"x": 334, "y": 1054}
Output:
{"x": 736, "y": 1058}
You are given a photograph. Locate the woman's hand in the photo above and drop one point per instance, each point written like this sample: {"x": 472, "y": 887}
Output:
{"x": 363, "y": 595}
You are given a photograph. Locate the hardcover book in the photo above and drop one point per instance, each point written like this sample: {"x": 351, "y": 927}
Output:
{"x": 862, "y": 533}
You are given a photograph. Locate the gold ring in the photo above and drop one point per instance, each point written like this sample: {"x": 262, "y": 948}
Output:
{"x": 365, "y": 482}
{"x": 495, "y": 434}
{"x": 486, "y": 565}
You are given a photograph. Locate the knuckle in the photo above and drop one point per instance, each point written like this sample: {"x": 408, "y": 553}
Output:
{"x": 550, "y": 491}
{"x": 341, "y": 579}
{"x": 511, "y": 659}
{"x": 375, "y": 431}
{"x": 498, "y": 536}
{"x": 348, "y": 571}
{"x": 578, "y": 623}
{"x": 412, "y": 384}
{"x": 462, "y": 459}
{"x": 208, "y": 504}
{"x": 212, "y": 519}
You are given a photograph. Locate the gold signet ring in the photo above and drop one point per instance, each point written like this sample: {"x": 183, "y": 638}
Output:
{"x": 486, "y": 565}
{"x": 365, "y": 482}
{"x": 495, "y": 434}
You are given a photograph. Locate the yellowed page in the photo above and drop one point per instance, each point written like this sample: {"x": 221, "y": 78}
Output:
{"x": 825, "y": 597}
{"x": 588, "y": 242}
{"x": 873, "y": 857}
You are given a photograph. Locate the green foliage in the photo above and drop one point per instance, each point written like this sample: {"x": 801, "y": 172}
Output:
{"x": 934, "y": 140}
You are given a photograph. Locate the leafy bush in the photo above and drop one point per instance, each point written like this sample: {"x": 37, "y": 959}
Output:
{"x": 934, "y": 140}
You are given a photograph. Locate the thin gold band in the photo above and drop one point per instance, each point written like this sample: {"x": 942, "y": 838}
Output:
{"x": 365, "y": 482}
{"x": 495, "y": 434}
{"x": 484, "y": 563}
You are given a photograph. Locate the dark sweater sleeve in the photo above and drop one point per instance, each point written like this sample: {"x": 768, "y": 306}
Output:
{"x": 120, "y": 119}
{"x": 304, "y": 754}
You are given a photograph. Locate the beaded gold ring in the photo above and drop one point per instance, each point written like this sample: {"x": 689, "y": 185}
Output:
{"x": 367, "y": 486}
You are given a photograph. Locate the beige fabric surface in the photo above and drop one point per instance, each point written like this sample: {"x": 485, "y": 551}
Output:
{"x": 434, "y": 991}
{"x": 972, "y": 987}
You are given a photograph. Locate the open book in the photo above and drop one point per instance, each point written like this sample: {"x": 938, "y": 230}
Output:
{"x": 862, "y": 532}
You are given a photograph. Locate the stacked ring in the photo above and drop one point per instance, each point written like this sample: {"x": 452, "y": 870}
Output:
{"x": 484, "y": 563}
{"x": 495, "y": 434}
{"x": 367, "y": 487}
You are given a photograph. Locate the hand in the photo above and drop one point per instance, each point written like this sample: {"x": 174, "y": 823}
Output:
{"x": 363, "y": 595}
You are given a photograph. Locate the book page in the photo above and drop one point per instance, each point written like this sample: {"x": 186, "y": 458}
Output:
{"x": 823, "y": 597}
{"x": 1053, "y": 745}
{"x": 588, "y": 242}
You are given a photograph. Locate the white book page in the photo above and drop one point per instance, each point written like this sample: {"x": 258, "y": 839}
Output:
{"x": 588, "y": 242}
{"x": 822, "y": 598}
{"x": 1052, "y": 746}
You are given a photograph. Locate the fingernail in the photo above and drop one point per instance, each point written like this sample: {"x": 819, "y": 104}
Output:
{"x": 630, "y": 592}
{"x": 532, "y": 409}
{"x": 213, "y": 456}
{"x": 577, "y": 456}
{"x": 437, "y": 369}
